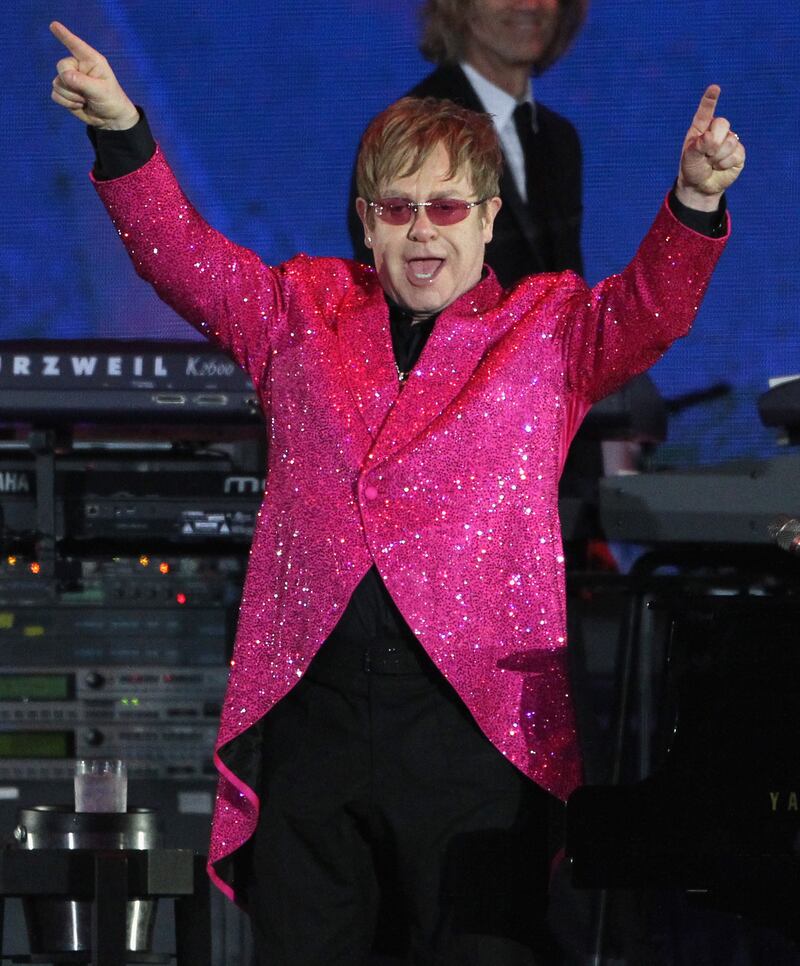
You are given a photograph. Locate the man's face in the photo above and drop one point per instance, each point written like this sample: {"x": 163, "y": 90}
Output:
{"x": 422, "y": 266}
{"x": 511, "y": 33}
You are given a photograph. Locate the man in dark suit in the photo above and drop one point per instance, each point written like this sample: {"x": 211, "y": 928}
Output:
{"x": 487, "y": 51}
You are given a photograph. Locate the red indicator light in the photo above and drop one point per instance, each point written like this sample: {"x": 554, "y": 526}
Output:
{"x": 35, "y": 567}
{"x": 181, "y": 598}
{"x": 164, "y": 567}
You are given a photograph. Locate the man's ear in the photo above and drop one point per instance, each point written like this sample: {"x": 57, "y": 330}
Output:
{"x": 490, "y": 209}
{"x": 363, "y": 211}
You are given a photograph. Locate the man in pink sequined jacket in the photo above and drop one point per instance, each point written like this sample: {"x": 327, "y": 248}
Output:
{"x": 398, "y": 717}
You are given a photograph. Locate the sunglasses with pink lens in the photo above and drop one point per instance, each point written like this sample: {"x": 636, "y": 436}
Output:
{"x": 440, "y": 211}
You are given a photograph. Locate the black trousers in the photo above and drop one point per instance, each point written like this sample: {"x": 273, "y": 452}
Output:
{"x": 390, "y": 823}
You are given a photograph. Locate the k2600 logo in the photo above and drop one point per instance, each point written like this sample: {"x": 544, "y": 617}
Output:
{"x": 209, "y": 368}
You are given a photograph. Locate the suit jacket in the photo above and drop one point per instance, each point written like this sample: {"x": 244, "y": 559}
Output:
{"x": 448, "y": 487}
{"x": 522, "y": 244}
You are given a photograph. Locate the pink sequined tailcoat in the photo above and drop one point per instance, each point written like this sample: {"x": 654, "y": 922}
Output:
{"x": 448, "y": 486}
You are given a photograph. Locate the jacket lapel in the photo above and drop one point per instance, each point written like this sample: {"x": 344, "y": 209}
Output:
{"x": 365, "y": 347}
{"x": 453, "y": 351}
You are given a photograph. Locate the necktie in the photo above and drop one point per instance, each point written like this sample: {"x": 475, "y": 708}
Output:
{"x": 536, "y": 175}
{"x": 523, "y": 122}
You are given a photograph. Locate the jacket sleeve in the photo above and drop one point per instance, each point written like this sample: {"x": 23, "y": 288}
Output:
{"x": 222, "y": 289}
{"x": 624, "y": 324}
{"x": 620, "y": 328}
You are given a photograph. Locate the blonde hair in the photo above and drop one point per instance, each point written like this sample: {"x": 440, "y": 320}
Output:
{"x": 401, "y": 138}
{"x": 445, "y": 28}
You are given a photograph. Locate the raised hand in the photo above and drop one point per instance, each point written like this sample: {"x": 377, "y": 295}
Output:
{"x": 86, "y": 86}
{"x": 712, "y": 157}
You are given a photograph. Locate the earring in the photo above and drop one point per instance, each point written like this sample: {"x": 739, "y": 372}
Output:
{"x": 368, "y": 241}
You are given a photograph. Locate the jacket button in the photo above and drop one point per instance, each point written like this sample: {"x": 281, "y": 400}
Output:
{"x": 370, "y": 492}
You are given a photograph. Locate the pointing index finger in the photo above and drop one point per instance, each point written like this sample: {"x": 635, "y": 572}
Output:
{"x": 704, "y": 114}
{"x": 77, "y": 47}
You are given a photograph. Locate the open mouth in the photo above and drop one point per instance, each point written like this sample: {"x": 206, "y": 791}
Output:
{"x": 422, "y": 271}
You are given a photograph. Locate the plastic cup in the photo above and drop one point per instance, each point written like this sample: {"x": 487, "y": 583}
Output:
{"x": 101, "y": 785}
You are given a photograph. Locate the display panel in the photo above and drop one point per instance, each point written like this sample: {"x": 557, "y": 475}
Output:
{"x": 36, "y": 687}
{"x": 36, "y": 744}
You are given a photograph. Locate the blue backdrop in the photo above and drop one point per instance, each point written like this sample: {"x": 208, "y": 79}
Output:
{"x": 260, "y": 105}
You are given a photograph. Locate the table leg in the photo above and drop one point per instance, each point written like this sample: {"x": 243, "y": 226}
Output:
{"x": 109, "y": 909}
{"x": 193, "y": 920}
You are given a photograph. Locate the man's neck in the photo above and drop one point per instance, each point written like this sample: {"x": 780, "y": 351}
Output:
{"x": 406, "y": 315}
{"x": 511, "y": 78}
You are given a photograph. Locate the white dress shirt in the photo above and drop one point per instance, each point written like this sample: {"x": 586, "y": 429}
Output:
{"x": 500, "y": 105}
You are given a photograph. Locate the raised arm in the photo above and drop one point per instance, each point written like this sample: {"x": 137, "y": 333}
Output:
{"x": 221, "y": 288}
{"x": 626, "y": 322}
